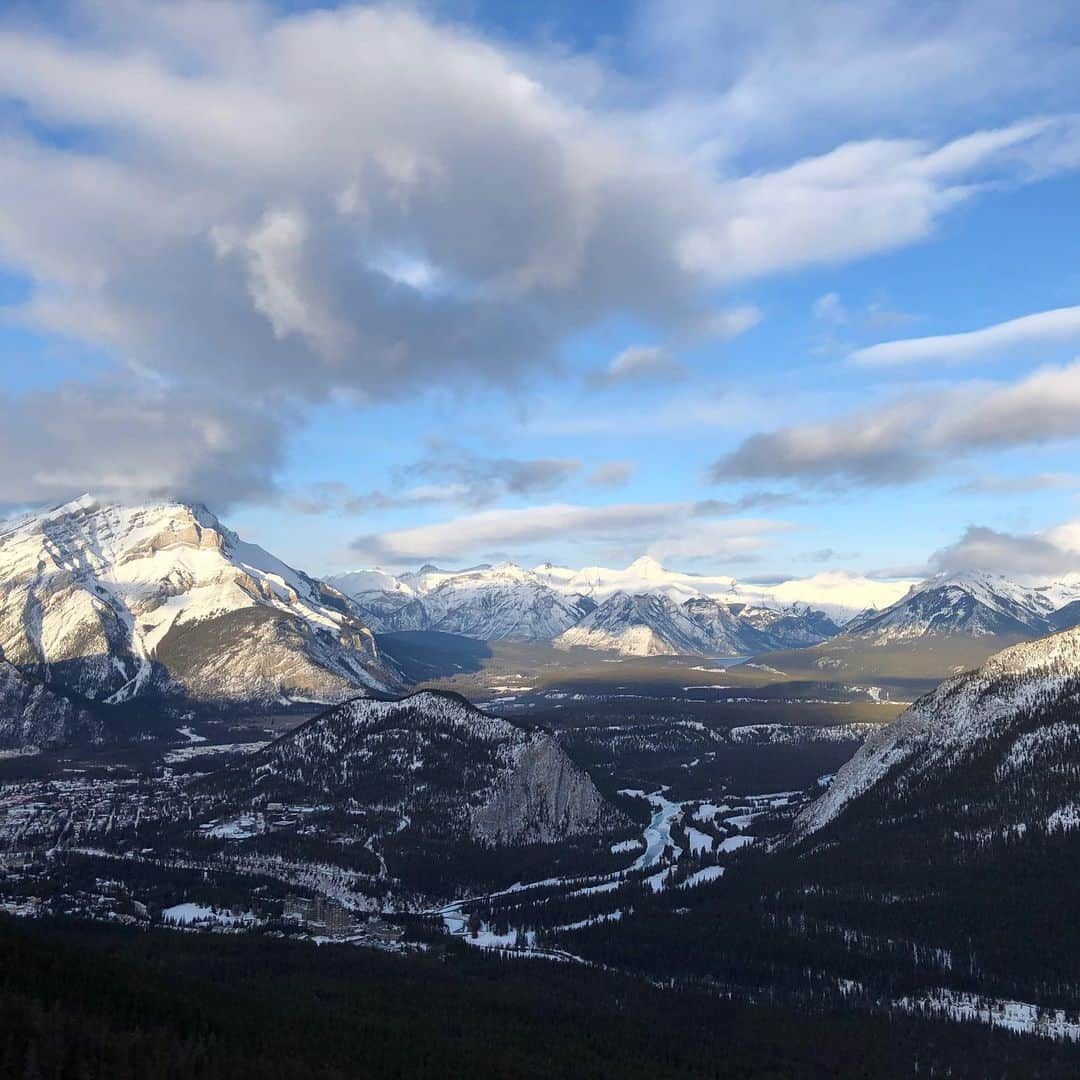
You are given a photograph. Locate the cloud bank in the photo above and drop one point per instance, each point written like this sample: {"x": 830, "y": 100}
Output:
{"x": 908, "y": 438}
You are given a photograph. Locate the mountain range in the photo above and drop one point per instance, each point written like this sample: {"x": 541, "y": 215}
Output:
{"x": 105, "y": 605}
{"x": 648, "y": 610}
{"x": 645, "y": 610}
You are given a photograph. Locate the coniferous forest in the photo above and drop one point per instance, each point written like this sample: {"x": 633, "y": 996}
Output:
{"x": 79, "y": 1002}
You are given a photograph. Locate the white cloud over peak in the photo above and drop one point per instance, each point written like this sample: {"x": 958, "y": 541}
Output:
{"x": 1054, "y": 552}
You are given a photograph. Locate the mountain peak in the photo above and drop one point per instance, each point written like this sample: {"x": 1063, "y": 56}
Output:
{"x": 647, "y": 566}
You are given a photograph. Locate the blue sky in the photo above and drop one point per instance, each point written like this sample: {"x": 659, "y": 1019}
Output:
{"x": 469, "y": 281}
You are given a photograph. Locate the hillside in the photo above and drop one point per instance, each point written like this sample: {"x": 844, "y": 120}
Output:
{"x": 428, "y": 768}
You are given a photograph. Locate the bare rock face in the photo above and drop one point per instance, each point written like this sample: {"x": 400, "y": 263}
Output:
{"x": 543, "y": 798}
{"x": 114, "y": 602}
{"x": 33, "y": 717}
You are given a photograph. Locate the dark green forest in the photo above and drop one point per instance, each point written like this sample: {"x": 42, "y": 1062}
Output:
{"x": 82, "y": 1001}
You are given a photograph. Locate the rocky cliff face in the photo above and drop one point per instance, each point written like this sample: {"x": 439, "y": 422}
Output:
{"x": 646, "y": 624}
{"x": 33, "y": 717}
{"x": 542, "y": 798}
{"x": 115, "y": 602}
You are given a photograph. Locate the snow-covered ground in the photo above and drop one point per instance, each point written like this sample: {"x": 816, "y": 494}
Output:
{"x": 733, "y": 843}
{"x": 700, "y": 877}
{"x": 238, "y": 828}
{"x": 1016, "y": 1016}
{"x": 699, "y": 841}
{"x": 186, "y": 753}
{"x": 189, "y": 914}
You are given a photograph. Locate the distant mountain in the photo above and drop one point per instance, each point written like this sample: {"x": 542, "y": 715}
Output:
{"x": 651, "y": 624}
{"x": 659, "y": 612}
{"x": 492, "y": 603}
{"x": 974, "y": 604}
{"x": 448, "y": 771}
{"x": 119, "y": 602}
{"x": 791, "y": 627}
{"x": 646, "y": 624}
{"x": 837, "y": 593}
{"x": 988, "y": 752}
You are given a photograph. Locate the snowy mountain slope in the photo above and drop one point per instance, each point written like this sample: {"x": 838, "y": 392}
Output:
{"x": 1000, "y": 744}
{"x": 448, "y": 769}
{"x": 116, "y": 601}
{"x": 971, "y": 603}
{"x": 646, "y": 624}
{"x": 787, "y": 628}
{"x": 725, "y": 629}
{"x": 643, "y": 576}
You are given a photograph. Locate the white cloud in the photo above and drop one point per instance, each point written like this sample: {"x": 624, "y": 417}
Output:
{"x": 126, "y": 444}
{"x": 639, "y": 363}
{"x": 1060, "y": 326}
{"x": 743, "y": 77}
{"x": 830, "y": 309}
{"x": 732, "y": 323}
{"x": 909, "y": 437}
{"x": 611, "y": 474}
{"x": 995, "y": 484}
{"x": 658, "y": 528}
{"x": 864, "y": 197}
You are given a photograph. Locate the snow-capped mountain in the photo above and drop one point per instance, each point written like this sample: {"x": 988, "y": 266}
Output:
{"x": 114, "y": 602}
{"x": 996, "y": 749}
{"x": 976, "y": 604}
{"x": 448, "y": 771}
{"x": 493, "y": 603}
{"x": 839, "y": 594}
{"x": 656, "y": 612}
{"x": 651, "y": 624}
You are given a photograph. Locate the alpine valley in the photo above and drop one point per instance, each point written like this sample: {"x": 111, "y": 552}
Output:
{"x": 818, "y": 802}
